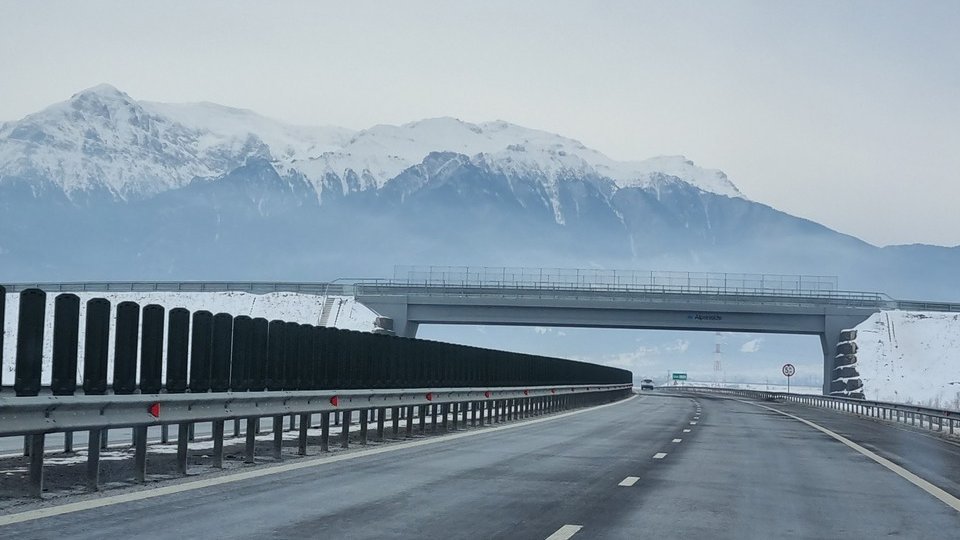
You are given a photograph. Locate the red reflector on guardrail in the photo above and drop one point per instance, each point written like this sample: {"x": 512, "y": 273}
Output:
{"x": 553, "y": 390}
{"x": 486, "y": 394}
{"x": 154, "y": 410}
{"x": 335, "y": 401}
{"x": 526, "y": 392}
{"x": 429, "y": 396}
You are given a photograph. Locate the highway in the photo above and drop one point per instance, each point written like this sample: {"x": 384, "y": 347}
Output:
{"x": 655, "y": 466}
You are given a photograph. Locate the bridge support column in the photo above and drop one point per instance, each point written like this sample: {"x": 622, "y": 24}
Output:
{"x": 832, "y": 326}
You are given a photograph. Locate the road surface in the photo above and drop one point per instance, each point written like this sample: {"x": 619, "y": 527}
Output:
{"x": 650, "y": 467}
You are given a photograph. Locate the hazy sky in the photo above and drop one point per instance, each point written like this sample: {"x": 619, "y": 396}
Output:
{"x": 847, "y": 113}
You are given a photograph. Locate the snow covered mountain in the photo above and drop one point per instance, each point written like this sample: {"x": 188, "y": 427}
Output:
{"x": 103, "y": 186}
{"x": 101, "y": 139}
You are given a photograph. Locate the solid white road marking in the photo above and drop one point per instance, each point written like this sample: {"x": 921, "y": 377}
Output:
{"x": 629, "y": 481}
{"x": 660, "y": 455}
{"x": 686, "y": 430}
{"x": 267, "y": 471}
{"x": 565, "y": 532}
{"x": 676, "y": 440}
{"x": 944, "y": 497}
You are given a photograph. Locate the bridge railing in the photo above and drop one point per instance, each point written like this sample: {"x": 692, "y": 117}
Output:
{"x": 646, "y": 293}
{"x": 934, "y": 419}
{"x": 593, "y": 277}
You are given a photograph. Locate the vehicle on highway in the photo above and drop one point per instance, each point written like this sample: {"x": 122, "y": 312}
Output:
{"x": 646, "y": 384}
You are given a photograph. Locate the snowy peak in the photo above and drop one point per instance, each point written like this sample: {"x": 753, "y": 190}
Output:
{"x": 101, "y": 138}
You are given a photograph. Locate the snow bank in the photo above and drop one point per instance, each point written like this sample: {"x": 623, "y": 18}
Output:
{"x": 344, "y": 312}
{"x": 911, "y": 357}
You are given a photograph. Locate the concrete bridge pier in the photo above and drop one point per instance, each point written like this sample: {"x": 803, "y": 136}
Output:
{"x": 833, "y": 325}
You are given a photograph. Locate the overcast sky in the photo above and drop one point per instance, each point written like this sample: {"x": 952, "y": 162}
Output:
{"x": 847, "y": 113}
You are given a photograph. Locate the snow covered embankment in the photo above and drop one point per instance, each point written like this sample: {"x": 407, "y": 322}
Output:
{"x": 342, "y": 312}
{"x": 911, "y": 357}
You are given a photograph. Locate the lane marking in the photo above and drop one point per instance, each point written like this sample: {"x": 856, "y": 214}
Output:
{"x": 629, "y": 481}
{"x": 660, "y": 455}
{"x": 686, "y": 430}
{"x": 111, "y": 500}
{"x": 693, "y": 423}
{"x": 565, "y": 532}
{"x": 937, "y": 492}
{"x": 676, "y": 440}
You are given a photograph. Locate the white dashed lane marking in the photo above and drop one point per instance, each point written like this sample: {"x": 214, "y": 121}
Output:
{"x": 686, "y": 430}
{"x": 629, "y": 481}
{"x": 660, "y": 455}
{"x": 676, "y": 440}
{"x": 565, "y": 532}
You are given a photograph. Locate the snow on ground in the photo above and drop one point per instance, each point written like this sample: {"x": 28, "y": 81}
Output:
{"x": 345, "y": 313}
{"x": 764, "y": 387}
{"x": 911, "y": 357}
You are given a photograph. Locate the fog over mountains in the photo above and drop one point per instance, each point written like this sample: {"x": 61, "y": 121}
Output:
{"x": 103, "y": 186}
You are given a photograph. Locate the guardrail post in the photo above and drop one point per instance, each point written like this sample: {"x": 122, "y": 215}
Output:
{"x": 277, "y": 436}
{"x": 463, "y": 414}
{"x": 445, "y": 411}
{"x": 409, "y": 421}
{"x": 454, "y": 410}
{"x": 93, "y": 460}
{"x": 325, "y": 431}
{"x": 250, "y": 443}
{"x": 422, "y": 414}
{"x": 218, "y": 444}
{"x": 67, "y": 442}
{"x": 395, "y": 420}
{"x": 36, "y": 464}
{"x": 140, "y": 453}
{"x": 363, "y": 426}
{"x": 236, "y": 428}
{"x": 433, "y": 418}
{"x": 490, "y": 407}
{"x": 183, "y": 437}
{"x": 29, "y": 357}
{"x": 345, "y": 429}
{"x": 302, "y": 440}
{"x": 380, "y": 419}
{"x": 164, "y": 434}
{"x": 473, "y": 414}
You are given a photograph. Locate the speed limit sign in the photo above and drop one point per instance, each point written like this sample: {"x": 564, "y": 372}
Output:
{"x": 789, "y": 370}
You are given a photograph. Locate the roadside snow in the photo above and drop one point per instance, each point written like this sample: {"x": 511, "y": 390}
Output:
{"x": 911, "y": 357}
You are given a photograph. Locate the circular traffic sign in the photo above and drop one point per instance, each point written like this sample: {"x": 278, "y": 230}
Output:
{"x": 789, "y": 370}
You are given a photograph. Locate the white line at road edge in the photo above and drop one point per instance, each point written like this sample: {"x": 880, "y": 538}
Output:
{"x": 944, "y": 497}
{"x": 269, "y": 470}
{"x": 629, "y": 481}
{"x": 565, "y": 532}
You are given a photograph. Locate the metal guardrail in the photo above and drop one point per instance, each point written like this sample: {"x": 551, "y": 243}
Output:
{"x": 897, "y": 412}
{"x": 661, "y": 294}
{"x": 523, "y": 277}
{"x": 53, "y": 414}
{"x": 35, "y": 417}
{"x": 705, "y": 292}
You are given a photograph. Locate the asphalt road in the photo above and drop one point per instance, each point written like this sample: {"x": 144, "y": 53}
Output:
{"x": 740, "y": 472}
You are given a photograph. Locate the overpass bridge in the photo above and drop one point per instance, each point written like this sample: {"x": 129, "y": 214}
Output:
{"x": 756, "y": 303}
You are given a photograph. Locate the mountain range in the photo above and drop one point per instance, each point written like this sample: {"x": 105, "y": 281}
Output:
{"x": 103, "y": 187}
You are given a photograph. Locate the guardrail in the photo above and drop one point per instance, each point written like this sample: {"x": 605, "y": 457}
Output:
{"x": 169, "y": 367}
{"x": 936, "y": 419}
{"x": 35, "y": 417}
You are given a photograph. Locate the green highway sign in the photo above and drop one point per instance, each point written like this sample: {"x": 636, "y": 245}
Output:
{"x": 679, "y": 376}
